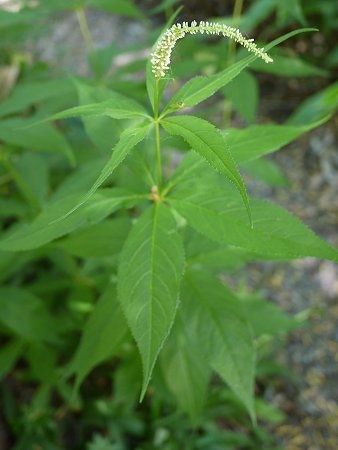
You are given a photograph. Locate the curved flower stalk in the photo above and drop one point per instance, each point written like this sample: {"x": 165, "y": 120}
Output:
{"x": 161, "y": 57}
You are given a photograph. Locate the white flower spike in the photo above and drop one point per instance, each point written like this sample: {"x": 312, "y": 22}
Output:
{"x": 160, "y": 59}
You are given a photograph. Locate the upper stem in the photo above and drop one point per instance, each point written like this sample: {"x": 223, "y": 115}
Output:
{"x": 157, "y": 135}
{"x": 158, "y": 156}
{"x": 236, "y": 14}
{"x": 156, "y": 99}
{"x": 83, "y": 24}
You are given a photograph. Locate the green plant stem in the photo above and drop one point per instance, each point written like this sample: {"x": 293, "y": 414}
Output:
{"x": 157, "y": 135}
{"x": 236, "y": 14}
{"x": 156, "y": 99}
{"x": 158, "y": 156}
{"x": 83, "y": 24}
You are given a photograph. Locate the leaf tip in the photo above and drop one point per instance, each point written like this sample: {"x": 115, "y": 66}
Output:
{"x": 252, "y": 414}
{"x": 144, "y": 390}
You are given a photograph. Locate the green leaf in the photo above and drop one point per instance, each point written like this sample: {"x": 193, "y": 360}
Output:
{"x": 100, "y": 60}
{"x": 12, "y": 263}
{"x": 8, "y": 19}
{"x": 102, "y": 130}
{"x": 258, "y": 140}
{"x": 267, "y": 171}
{"x": 214, "y": 319}
{"x": 211, "y": 255}
{"x": 316, "y": 107}
{"x": 255, "y": 14}
{"x": 128, "y": 139}
{"x": 98, "y": 240}
{"x": 120, "y": 7}
{"x": 289, "y": 67}
{"x": 26, "y": 315}
{"x": 102, "y": 336}
{"x": 243, "y": 93}
{"x": 191, "y": 165}
{"x": 33, "y": 172}
{"x": 41, "y": 136}
{"x": 42, "y": 361}
{"x": 266, "y": 318}
{"x": 46, "y": 227}
{"x": 9, "y": 354}
{"x": 207, "y": 141}
{"x": 200, "y": 88}
{"x": 151, "y": 266}
{"x": 98, "y": 442}
{"x": 127, "y": 380}
{"x": 163, "y": 5}
{"x": 12, "y": 207}
{"x": 117, "y": 107}
{"x": 27, "y": 94}
{"x": 185, "y": 372}
{"x": 80, "y": 179}
{"x": 289, "y": 10}
{"x": 220, "y": 215}
{"x": 286, "y": 36}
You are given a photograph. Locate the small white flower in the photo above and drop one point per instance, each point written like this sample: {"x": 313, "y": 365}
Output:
{"x": 161, "y": 57}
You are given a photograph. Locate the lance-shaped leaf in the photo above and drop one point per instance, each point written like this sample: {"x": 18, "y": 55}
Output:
{"x": 275, "y": 234}
{"x": 202, "y": 87}
{"x": 208, "y": 142}
{"x": 151, "y": 266}
{"x": 32, "y": 93}
{"x": 27, "y": 316}
{"x": 246, "y": 145}
{"x": 9, "y": 354}
{"x": 46, "y": 227}
{"x": 321, "y": 105}
{"x": 186, "y": 373}
{"x": 216, "y": 323}
{"x": 41, "y": 136}
{"x": 98, "y": 240}
{"x": 290, "y": 66}
{"x": 117, "y": 107}
{"x": 267, "y": 318}
{"x": 129, "y": 138}
{"x": 103, "y": 131}
{"x": 102, "y": 336}
{"x": 258, "y": 140}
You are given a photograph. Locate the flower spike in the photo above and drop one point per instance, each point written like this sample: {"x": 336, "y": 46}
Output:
{"x": 160, "y": 59}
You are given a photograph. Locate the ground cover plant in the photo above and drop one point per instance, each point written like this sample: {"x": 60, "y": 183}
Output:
{"x": 149, "y": 240}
